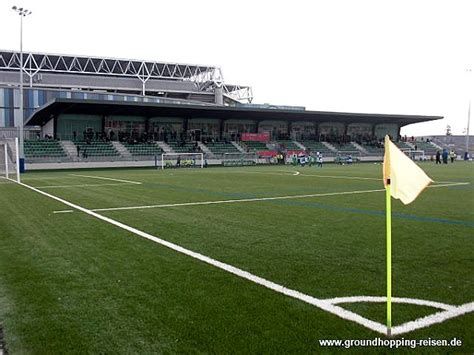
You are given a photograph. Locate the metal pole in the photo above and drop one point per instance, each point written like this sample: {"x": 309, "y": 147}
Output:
{"x": 17, "y": 161}
{"x": 22, "y": 122}
{"x": 6, "y": 160}
{"x": 467, "y": 130}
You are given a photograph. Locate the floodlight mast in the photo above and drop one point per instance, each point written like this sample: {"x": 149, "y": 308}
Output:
{"x": 23, "y": 13}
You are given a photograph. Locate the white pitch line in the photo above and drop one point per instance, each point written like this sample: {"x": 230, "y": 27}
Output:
{"x": 80, "y": 185}
{"x": 106, "y": 178}
{"x": 258, "y": 199}
{"x": 418, "y": 302}
{"x": 449, "y": 184}
{"x": 200, "y": 203}
{"x": 322, "y": 304}
{"x": 436, "y": 318}
{"x": 314, "y": 175}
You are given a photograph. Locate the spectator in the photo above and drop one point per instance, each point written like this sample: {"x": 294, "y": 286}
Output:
{"x": 445, "y": 156}
{"x": 452, "y": 155}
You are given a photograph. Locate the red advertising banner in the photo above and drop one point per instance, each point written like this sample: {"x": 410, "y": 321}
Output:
{"x": 267, "y": 153}
{"x": 256, "y": 137}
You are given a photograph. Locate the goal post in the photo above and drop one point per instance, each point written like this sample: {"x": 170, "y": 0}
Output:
{"x": 9, "y": 159}
{"x": 415, "y": 154}
{"x": 182, "y": 160}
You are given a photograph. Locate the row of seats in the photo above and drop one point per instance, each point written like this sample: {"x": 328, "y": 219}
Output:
{"x": 427, "y": 147}
{"x": 255, "y": 146}
{"x": 186, "y": 147}
{"x": 348, "y": 147}
{"x": 288, "y": 144}
{"x": 222, "y": 147}
{"x": 373, "y": 150}
{"x": 402, "y": 145}
{"x": 96, "y": 149}
{"x": 143, "y": 149}
{"x": 317, "y": 147}
{"x": 43, "y": 149}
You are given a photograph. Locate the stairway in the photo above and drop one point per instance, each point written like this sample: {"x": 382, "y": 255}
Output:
{"x": 359, "y": 147}
{"x": 300, "y": 145}
{"x": 238, "y": 146}
{"x": 330, "y": 147}
{"x": 205, "y": 150}
{"x": 122, "y": 150}
{"x": 164, "y": 147}
{"x": 70, "y": 149}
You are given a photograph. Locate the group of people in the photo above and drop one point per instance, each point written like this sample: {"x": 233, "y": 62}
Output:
{"x": 307, "y": 160}
{"x": 445, "y": 155}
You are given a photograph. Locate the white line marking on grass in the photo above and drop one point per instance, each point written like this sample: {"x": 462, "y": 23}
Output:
{"x": 448, "y": 311}
{"x": 314, "y": 175}
{"x": 80, "y": 185}
{"x": 63, "y": 211}
{"x": 297, "y": 173}
{"x": 436, "y": 318}
{"x": 200, "y": 203}
{"x": 358, "y": 299}
{"x": 106, "y": 178}
{"x": 257, "y": 199}
{"x": 450, "y": 184}
{"x": 322, "y": 304}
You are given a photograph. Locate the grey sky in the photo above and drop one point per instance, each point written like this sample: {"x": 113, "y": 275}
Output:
{"x": 406, "y": 57}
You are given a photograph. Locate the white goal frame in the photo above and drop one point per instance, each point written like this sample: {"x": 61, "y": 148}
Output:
{"x": 175, "y": 155}
{"x": 5, "y": 158}
{"x": 414, "y": 154}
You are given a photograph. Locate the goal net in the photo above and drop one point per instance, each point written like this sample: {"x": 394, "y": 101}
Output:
{"x": 9, "y": 159}
{"x": 182, "y": 160}
{"x": 239, "y": 159}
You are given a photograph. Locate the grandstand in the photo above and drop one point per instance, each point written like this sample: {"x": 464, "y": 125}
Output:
{"x": 126, "y": 111}
{"x": 453, "y": 142}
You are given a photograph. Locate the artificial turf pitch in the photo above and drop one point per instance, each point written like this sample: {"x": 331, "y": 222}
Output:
{"x": 70, "y": 283}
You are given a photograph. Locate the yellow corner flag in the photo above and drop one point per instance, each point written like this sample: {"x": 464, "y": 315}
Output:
{"x": 403, "y": 180}
{"x": 406, "y": 179}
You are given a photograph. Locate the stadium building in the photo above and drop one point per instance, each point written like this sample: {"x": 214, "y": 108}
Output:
{"x": 87, "y": 111}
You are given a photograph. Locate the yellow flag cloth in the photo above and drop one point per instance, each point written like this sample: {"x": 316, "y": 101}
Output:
{"x": 406, "y": 179}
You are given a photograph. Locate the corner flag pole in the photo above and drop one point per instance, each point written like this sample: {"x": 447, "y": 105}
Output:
{"x": 389, "y": 257}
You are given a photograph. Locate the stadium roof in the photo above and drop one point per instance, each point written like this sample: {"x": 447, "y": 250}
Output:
{"x": 206, "y": 77}
{"x": 77, "y": 106}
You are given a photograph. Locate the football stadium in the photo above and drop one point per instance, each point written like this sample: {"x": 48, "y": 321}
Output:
{"x": 151, "y": 207}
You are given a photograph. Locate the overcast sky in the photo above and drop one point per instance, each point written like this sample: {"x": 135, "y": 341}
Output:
{"x": 404, "y": 57}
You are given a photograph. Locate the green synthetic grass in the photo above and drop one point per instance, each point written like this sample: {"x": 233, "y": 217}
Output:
{"x": 72, "y": 283}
